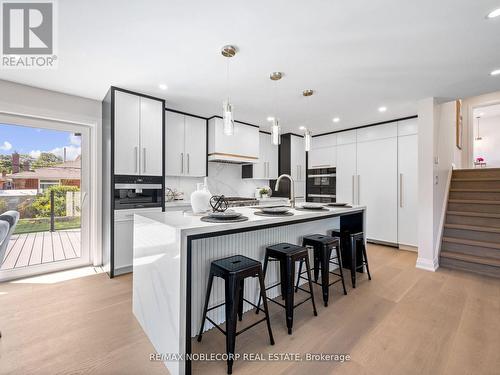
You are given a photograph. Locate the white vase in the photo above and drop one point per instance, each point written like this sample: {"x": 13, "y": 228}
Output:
{"x": 200, "y": 199}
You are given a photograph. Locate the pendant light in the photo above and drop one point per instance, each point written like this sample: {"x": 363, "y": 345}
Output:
{"x": 478, "y": 137}
{"x": 307, "y": 132}
{"x": 227, "y": 108}
{"x": 275, "y": 128}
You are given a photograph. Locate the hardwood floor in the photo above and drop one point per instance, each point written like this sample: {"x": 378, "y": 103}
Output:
{"x": 405, "y": 321}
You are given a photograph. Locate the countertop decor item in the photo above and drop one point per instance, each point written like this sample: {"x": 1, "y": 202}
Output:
{"x": 200, "y": 199}
{"x": 228, "y": 214}
{"x": 218, "y": 203}
{"x": 209, "y": 219}
{"x": 261, "y": 213}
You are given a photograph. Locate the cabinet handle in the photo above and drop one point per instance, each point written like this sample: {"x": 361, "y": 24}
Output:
{"x": 353, "y": 190}
{"x": 187, "y": 163}
{"x": 136, "y": 159}
{"x": 359, "y": 184}
{"x": 401, "y": 190}
{"x": 182, "y": 162}
{"x": 267, "y": 169}
{"x": 144, "y": 161}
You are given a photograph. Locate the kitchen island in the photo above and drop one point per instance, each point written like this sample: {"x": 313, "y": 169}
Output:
{"x": 172, "y": 255}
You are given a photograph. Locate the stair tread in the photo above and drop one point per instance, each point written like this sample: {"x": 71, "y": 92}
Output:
{"x": 478, "y": 190}
{"x": 473, "y": 201}
{"x": 492, "y": 245}
{"x": 474, "y": 214}
{"x": 476, "y": 170}
{"x": 471, "y": 258}
{"x": 473, "y": 228}
{"x": 462, "y": 179}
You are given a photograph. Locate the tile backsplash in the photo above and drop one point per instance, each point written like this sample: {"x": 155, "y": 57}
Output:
{"x": 222, "y": 179}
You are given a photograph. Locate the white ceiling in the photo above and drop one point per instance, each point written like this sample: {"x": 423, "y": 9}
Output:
{"x": 357, "y": 55}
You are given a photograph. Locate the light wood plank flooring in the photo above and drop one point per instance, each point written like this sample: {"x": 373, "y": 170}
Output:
{"x": 405, "y": 321}
{"x": 41, "y": 247}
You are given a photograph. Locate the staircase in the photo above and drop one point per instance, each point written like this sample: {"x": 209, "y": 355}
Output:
{"x": 471, "y": 235}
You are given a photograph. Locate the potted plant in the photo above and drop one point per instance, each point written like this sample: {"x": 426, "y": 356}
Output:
{"x": 264, "y": 192}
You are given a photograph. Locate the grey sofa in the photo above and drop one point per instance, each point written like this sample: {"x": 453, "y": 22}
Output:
{"x": 11, "y": 218}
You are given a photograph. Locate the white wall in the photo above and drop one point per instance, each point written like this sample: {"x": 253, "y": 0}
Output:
{"x": 437, "y": 154}
{"x": 222, "y": 179}
{"x": 22, "y": 100}
{"x": 489, "y": 146}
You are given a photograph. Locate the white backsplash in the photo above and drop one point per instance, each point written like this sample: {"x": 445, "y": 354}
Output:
{"x": 222, "y": 179}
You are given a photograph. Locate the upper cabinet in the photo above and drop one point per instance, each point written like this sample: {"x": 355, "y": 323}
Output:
{"x": 241, "y": 147}
{"x": 323, "y": 152}
{"x": 138, "y": 134}
{"x": 267, "y": 166}
{"x": 186, "y": 140}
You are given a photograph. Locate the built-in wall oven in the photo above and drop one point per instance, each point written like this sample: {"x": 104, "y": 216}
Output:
{"x": 134, "y": 192}
{"x": 321, "y": 185}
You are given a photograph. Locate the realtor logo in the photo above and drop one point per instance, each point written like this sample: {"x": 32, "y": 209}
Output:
{"x": 28, "y": 34}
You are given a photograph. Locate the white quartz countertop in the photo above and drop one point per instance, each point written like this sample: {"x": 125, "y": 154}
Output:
{"x": 190, "y": 224}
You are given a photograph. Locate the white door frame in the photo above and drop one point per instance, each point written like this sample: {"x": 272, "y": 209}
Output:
{"x": 90, "y": 211}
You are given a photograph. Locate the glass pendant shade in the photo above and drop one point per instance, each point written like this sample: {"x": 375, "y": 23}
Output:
{"x": 227, "y": 118}
{"x": 275, "y": 133}
{"x": 307, "y": 140}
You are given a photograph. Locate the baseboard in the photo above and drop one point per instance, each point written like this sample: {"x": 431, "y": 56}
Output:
{"x": 123, "y": 270}
{"x": 408, "y": 248}
{"x": 379, "y": 242}
{"x": 427, "y": 264}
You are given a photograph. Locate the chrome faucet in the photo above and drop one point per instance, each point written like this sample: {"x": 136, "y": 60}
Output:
{"x": 292, "y": 189}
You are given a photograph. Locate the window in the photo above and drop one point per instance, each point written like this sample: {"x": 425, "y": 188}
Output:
{"x": 45, "y": 184}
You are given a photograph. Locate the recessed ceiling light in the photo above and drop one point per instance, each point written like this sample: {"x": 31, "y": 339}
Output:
{"x": 382, "y": 109}
{"x": 336, "y": 119}
{"x": 494, "y": 14}
{"x": 163, "y": 86}
{"x": 270, "y": 118}
{"x": 496, "y": 72}
{"x": 302, "y": 127}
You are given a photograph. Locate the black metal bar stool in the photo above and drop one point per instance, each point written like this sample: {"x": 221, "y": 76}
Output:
{"x": 287, "y": 254}
{"x": 234, "y": 270}
{"x": 355, "y": 239}
{"x": 323, "y": 246}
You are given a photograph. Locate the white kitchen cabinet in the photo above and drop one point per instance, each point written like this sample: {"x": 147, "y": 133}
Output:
{"x": 127, "y": 133}
{"x": 267, "y": 166}
{"x": 377, "y": 186}
{"x": 138, "y": 130}
{"x": 186, "y": 146}
{"x": 151, "y": 124}
{"x": 324, "y": 157}
{"x": 195, "y": 146}
{"x": 346, "y": 173}
{"x": 407, "y": 189}
{"x": 124, "y": 238}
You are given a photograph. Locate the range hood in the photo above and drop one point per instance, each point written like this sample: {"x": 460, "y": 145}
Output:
{"x": 231, "y": 158}
{"x": 240, "y": 148}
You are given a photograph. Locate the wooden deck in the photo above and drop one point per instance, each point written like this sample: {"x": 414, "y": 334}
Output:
{"x": 41, "y": 247}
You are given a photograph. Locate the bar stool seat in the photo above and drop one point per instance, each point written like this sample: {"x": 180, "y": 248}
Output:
{"x": 354, "y": 239}
{"x": 234, "y": 270}
{"x": 323, "y": 246}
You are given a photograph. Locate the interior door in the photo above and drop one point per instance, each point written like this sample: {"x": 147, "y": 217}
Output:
{"x": 174, "y": 139}
{"x": 377, "y": 187}
{"x": 346, "y": 173}
{"x": 407, "y": 190}
{"x": 127, "y": 133}
{"x": 151, "y": 137}
{"x": 195, "y": 139}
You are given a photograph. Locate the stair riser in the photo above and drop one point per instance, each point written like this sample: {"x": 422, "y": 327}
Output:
{"x": 474, "y": 207}
{"x": 470, "y": 250}
{"x": 481, "y": 173}
{"x": 470, "y": 267}
{"x": 472, "y": 235}
{"x": 473, "y": 220}
{"x": 475, "y": 184}
{"x": 474, "y": 195}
